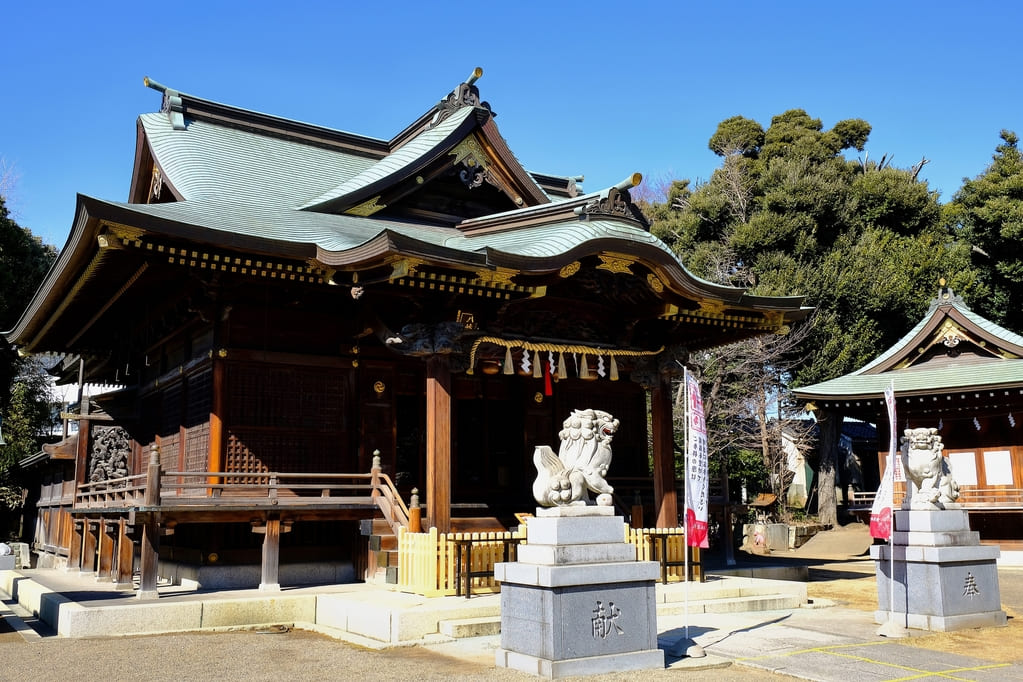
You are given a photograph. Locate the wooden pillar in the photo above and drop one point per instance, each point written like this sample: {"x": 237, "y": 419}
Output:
{"x": 438, "y": 443}
{"x": 124, "y": 564}
{"x": 149, "y": 559}
{"x": 149, "y": 551}
{"x": 269, "y": 575}
{"x": 216, "y": 423}
{"x": 662, "y": 425}
{"x": 91, "y": 537}
{"x": 107, "y": 534}
{"x": 74, "y": 558}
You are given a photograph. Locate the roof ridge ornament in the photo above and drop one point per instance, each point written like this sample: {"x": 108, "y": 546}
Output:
{"x": 465, "y": 95}
{"x": 616, "y": 202}
{"x": 946, "y": 296}
{"x": 171, "y": 105}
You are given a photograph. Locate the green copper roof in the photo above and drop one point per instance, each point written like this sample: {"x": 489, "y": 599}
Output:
{"x": 991, "y": 375}
{"x": 211, "y": 160}
{"x": 965, "y": 373}
{"x": 223, "y": 216}
{"x": 406, "y": 156}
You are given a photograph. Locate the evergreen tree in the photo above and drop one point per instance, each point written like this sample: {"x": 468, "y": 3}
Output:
{"x": 24, "y": 402}
{"x": 987, "y": 212}
{"x": 788, "y": 214}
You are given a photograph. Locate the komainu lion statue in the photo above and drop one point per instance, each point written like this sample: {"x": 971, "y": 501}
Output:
{"x": 932, "y": 484}
{"x": 581, "y": 463}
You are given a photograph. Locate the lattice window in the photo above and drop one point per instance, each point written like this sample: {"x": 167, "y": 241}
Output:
{"x": 197, "y": 447}
{"x": 288, "y": 419}
{"x": 253, "y": 450}
{"x": 306, "y": 397}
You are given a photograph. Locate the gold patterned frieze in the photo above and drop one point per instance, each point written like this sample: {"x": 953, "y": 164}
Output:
{"x": 569, "y": 270}
{"x": 616, "y": 264}
{"x": 712, "y": 307}
{"x": 775, "y": 318}
{"x": 470, "y": 152}
{"x": 125, "y": 233}
{"x": 405, "y": 267}
{"x": 367, "y": 208}
{"x": 500, "y": 276}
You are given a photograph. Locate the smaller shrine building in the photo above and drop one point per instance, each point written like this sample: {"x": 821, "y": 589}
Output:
{"x": 963, "y": 375}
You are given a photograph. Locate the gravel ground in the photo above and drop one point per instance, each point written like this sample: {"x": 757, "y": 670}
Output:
{"x": 255, "y": 657}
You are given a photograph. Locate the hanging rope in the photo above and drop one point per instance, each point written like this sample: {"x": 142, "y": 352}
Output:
{"x": 553, "y": 348}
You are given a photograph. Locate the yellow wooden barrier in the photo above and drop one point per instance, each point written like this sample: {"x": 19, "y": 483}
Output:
{"x": 675, "y": 548}
{"x": 426, "y": 561}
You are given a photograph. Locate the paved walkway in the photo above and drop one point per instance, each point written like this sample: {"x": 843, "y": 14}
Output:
{"x": 821, "y": 641}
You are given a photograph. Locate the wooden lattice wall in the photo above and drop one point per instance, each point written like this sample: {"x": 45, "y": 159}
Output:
{"x": 287, "y": 418}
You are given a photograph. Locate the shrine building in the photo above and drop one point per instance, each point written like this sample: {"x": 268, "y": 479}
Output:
{"x": 961, "y": 374}
{"x": 302, "y": 325}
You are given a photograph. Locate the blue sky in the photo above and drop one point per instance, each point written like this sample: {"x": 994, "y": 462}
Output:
{"x": 595, "y": 88}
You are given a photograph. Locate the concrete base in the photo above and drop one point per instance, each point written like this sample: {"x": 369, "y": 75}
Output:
{"x": 942, "y": 579}
{"x": 587, "y": 665}
{"x": 248, "y": 576}
{"x": 577, "y": 602}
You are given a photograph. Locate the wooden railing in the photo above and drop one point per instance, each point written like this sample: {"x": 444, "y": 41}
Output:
{"x": 115, "y": 492}
{"x": 239, "y": 488}
{"x": 427, "y": 561}
{"x": 985, "y": 498}
{"x": 992, "y": 497}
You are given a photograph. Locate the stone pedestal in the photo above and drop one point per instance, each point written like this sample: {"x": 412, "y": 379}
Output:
{"x": 944, "y": 578}
{"x": 577, "y": 602}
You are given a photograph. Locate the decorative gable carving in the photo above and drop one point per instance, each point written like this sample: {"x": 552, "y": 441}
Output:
{"x": 616, "y": 202}
{"x": 465, "y": 95}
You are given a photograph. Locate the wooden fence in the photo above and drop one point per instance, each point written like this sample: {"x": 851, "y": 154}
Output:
{"x": 427, "y": 562}
{"x": 673, "y": 540}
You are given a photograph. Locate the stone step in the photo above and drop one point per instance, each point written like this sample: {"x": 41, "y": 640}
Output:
{"x": 471, "y": 627}
{"x": 733, "y": 588}
{"x": 762, "y": 602}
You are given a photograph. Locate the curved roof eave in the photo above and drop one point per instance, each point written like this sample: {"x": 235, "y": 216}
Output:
{"x": 70, "y": 262}
{"x": 404, "y": 162}
{"x": 348, "y": 241}
{"x": 541, "y": 249}
{"x": 994, "y": 375}
{"x": 351, "y": 241}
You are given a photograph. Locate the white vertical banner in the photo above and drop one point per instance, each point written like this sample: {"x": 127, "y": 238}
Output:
{"x": 697, "y": 489}
{"x": 881, "y": 510}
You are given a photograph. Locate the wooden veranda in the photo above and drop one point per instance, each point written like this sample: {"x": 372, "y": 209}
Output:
{"x": 106, "y": 514}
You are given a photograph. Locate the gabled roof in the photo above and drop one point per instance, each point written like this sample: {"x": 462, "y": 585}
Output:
{"x": 950, "y": 349}
{"x": 200, "y": 148}
{"x": 227, "y": 194}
